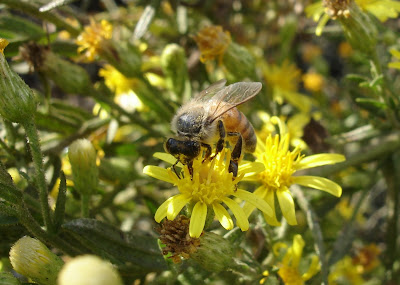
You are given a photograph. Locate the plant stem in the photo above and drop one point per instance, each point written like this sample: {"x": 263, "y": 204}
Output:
{"x": 28, "y": 8}
{"x": 32, "y": 135}
{"x": 85, "y": 198}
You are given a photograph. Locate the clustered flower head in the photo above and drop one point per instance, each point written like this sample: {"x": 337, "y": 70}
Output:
{"x": 213, "y": 42}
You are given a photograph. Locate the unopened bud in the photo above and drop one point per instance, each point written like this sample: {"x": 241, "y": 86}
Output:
{"x": 88, "y": 269}
{"x": 34, "y": 260}
{"x": 239, "y": 62}
{"x": 82, "y": 157}
{"x": 17, "y": 102}
{"x": 69, "y": 77}
{"x": 6, "y": 278}
{"x": 214, "y": 253}
{"x": 173, "y": 62}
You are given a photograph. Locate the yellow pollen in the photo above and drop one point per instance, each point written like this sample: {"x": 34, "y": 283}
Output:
{"x": 279, "y": 163}
{"x": 211, "y": 180}
{"x": 3, "y": 44}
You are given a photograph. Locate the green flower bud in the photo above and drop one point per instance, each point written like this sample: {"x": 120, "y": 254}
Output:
{"x": 239, "y": 62}
{"x": 214, "y": 253}
{"x": 88, "y": 269}
{"x": 17, "y": 102}
{"x": 359, "y": 29}
{"x": 173, "y": 63}
{"x": 34, "y": 260}
{"x": 82, "y": 157}
{"x": 6, "y": 278}
{"x": 69, "y": 77}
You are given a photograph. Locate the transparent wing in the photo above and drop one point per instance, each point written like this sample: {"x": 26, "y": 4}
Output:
{"x": 234, "y": 95}
{"x": 210, "y": 91}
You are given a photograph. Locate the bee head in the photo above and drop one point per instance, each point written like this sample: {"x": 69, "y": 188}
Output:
{"x": 184, "y": 151}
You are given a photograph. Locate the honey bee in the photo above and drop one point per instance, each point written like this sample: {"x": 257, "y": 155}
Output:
{"x": 210, "y": 118}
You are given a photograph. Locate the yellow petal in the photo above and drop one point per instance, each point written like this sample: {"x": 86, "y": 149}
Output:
{"x": 255, "y": 200}
{"x": 223, "y": 216}
{"x": 320, "y": 159}
{"x": 287, "y": 206}
{"x": 161, "y": 212}
{"x": 320, "y": 27}
{"x": 270, "y": 199}
{"x": 298, "y": 245}
{"x": 167, "y": 158}
{"x": 395, "y": 53}
{"x": 319, "y": 183}
{"x": 251, "y": 168}
{"x": 241, "y": 218}
{"x": 313, "y": 269}
{"x": 175, "y": 205}
{"x": 198, "y": 219}
{"x": 394, "y": 64}
{"x": 157, "y": 172}
{"x": 249, "y": 208}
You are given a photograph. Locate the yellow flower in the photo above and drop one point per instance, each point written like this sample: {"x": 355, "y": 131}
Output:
{"x": 212, "y": 42}
{"x": 367, "y": 258}
{"x": 313, "y": 81}
{"x": 395, "y": 64}
{"x": 280, "y": 166}
{"x": 284, "y": 81}
{"x": 210, "y": 186}
{"x": 289, "y": 269}
{"x": 345, "y": 271}
{"x": 123, "y": 88}
{"x": 382, "y": 9}
{"x": 91, "y": 40}
{"x": 345, "y": 50}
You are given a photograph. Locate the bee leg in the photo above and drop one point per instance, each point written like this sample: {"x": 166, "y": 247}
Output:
{"x": 235, "y": 156}
{"x": 190, "y": 168}
{"x": 173, "y": 167}
{"x": 208, "y": 151}
{"x": 221, "y": 141}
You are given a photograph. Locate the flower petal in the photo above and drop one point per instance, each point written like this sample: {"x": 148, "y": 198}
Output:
{"x": 320, "y": 159}
{"x": 175, "y": 205}
{"x": 270, "y": 199}
{"x": 157, "y": 172}
{"x": 167, "y": 158}
{"x": 287, "y": 206}
{"x": 223, "y": 216}
{"x": 315, "y": 266}
{"x": 254, "y": 200}
{"x": 241, "y": 219}
{"x": 319, "y": 183}
{"x": 251, "y": 168}
{"x": 248, "y": 208}
{"x": 198, "y": 219}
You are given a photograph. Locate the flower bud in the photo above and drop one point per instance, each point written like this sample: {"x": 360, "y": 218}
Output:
{"x": 173, "y": 62}
{"x": 6, "y": 278}
{"x": 82, "y": 157}
{"x": 239, "y": 62}
{"x": 88, "y": 269}
{"x": 17, "y": 102}
{"x": 34, "y": 260}
{"x": 69, "y": 77}
{"x": 214, "y": 253}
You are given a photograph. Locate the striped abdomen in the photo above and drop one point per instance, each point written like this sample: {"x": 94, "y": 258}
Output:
{"x": 235, "y": 122}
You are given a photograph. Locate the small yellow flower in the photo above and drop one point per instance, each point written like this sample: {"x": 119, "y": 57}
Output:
{"x": 289, "y": 269}
{"x": 345, "y": 50}
{"x": 382, "y": 9}
{"x": 210, "y": 186}
{"x": 91, "y": 40}
{"x": 345, "y": 272}
{"x": 212, "y": 42}
{"x": 265, "y": 274}
{"x": 123, "y": 88}
{"x": 366, "y": 258}
{"x": 313, "y": 81}
{"x": 280, "y": 166}
{"x": 284, "y": 80}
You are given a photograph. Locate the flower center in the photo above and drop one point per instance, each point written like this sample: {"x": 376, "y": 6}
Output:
{"x": 279, "y": 162}
{"x": 211, "y": 179}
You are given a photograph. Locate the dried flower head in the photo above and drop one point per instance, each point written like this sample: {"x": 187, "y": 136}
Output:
{"x": 212, "y": 42}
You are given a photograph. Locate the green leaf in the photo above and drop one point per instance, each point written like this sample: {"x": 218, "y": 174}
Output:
{"x": 372, "y": 105}
{"x": 18, "y": 29}
{"x": 138, "y": 249}
{"x": 6, "y": 220}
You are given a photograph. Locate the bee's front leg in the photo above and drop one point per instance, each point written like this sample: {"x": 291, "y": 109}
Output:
{"x": 208, "y": 151}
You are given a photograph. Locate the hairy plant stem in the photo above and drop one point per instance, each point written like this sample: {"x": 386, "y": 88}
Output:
{"x": 33, "y": 10}
{"x": 37, "y": 157}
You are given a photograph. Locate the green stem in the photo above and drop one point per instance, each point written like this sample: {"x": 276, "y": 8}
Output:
{"x": 33, "y": 10}
{"x": 379, "y": 149}
{"x": 32, "y": 135}
{"x": 85, "y": 199}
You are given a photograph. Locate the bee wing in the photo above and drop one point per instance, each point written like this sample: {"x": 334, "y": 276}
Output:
{"x": 210, "y": 91}
{"x": 235, "y": 95}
